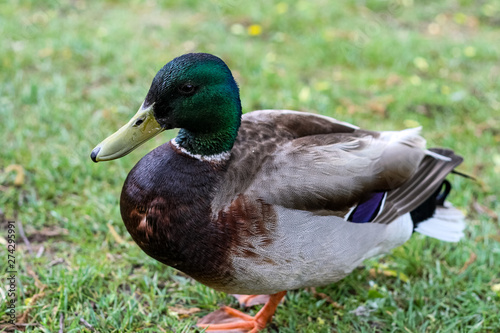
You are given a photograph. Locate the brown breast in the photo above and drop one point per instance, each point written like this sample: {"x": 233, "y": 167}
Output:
{"x": 165, "y": 205}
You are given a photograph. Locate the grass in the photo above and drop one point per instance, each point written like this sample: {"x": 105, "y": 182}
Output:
{"x": 73, "y": 71}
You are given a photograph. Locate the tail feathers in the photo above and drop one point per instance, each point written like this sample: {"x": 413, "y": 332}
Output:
{"x": 447, "y": 224}
{"x": 421, "y": 189}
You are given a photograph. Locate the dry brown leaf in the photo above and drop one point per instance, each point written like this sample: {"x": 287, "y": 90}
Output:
{"x": 481, "y": 209}
{"x": 183, "y": 312}
{"x": 32, "y": 301}
{"x": 469, "y": 261}
{"x": 19, "y": 180}
{"x": 379, "y": 105}
{"x": 39, "y": 236}
{"x": 327, "y": 298}
{"x": 389, "y": 273}
{"x": 482, "y": 238}
{"x": 393, "y": 80}
{"x": 350, "y": 106}
{"x": 115, "y": 235}
{"x": 17, "y": 327}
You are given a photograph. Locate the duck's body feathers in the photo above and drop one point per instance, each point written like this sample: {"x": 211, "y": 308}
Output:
{"x": 273, "y": 216}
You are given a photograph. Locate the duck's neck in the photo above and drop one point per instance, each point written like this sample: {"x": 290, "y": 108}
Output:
{"x": 216, "y": 131}
{"x": 206, "y": 144}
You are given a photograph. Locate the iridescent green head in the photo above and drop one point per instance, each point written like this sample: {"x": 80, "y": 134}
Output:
{"x": 195, "y": 92}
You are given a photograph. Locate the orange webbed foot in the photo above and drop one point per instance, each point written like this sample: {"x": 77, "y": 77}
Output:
{"x": 230, "y": 320}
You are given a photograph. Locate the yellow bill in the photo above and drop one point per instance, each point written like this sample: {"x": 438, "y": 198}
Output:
{"x": 142, "y": 127}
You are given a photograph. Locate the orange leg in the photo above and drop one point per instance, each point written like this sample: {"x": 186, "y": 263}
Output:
{"x": 247, "y": 301}
{"x": 244, "y": 322}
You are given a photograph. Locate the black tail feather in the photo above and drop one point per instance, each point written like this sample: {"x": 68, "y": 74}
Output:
{"x": 427, "y": 208}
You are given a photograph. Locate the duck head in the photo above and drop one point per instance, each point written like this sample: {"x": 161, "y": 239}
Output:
{"x": 195, "y": 92}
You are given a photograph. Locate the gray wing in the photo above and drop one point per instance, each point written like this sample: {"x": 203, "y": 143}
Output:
{"x": 309, "y": 162}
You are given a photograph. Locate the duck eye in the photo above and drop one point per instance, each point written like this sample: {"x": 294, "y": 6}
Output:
{"x": 187, "y": 88}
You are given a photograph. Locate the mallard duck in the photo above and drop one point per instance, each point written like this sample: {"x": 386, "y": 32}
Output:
{"x": 270, "y": 200}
